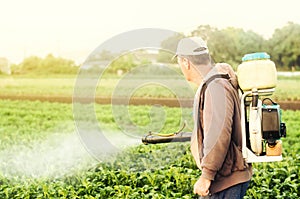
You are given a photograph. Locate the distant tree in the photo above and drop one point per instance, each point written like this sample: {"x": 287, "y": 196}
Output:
{"x": 169, "y": 47}
{"x": 171, "y": 42}
{"x": 229, "y": 44}
{"x": 165, "y": 56}
{"x": 204, "y": 31}
{"x": 250, "y": 42}
{"x": 285, "y": 46}
{"x": 30, "y": 64}
{"x": 125, "y": 63}
{"x": 58, "y": 65}
{"x": 48, "y": 65}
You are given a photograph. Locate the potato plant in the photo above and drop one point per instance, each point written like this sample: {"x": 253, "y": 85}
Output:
{"x": 139, "y": 171}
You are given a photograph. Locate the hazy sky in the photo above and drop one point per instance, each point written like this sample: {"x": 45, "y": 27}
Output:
{"x": 74, "y": 28}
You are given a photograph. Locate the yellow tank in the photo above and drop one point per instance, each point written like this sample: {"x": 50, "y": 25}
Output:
{"x": 257, "y": 71}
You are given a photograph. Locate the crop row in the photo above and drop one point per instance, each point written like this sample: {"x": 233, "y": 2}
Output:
{"x": 139, "y": 171}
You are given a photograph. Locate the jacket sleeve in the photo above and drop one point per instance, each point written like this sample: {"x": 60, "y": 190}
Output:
{"x": 217, "y": 126}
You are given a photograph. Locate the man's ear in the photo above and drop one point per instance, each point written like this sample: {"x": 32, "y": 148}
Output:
{"x": 186, "y": 63}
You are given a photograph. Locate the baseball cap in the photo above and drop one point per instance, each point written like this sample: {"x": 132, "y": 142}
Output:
{"x": 191, "y": 46}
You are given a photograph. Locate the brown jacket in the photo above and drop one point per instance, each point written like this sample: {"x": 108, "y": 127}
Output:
{"x": 218, "y": 153}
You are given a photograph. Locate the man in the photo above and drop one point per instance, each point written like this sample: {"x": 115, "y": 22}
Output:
{"x": 216, "y": 143}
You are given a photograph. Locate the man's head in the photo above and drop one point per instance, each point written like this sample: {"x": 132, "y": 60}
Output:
{"x": 193, "y": 57}
{"x": 191, "y": 46}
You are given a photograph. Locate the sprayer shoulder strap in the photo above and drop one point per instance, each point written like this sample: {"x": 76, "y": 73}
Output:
{"x": 200, "y": 136}
{"x": 202, "y": 95}
{"x": 205, "y": 85}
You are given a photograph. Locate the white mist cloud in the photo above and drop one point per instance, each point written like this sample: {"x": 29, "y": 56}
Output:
{"x": 57, "y": 155}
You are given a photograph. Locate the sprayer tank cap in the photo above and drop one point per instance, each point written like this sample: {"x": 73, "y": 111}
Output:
{"x": 256, "y": 56}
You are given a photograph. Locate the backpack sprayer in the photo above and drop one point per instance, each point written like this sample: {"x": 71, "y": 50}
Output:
{"x": 261, "y": 122}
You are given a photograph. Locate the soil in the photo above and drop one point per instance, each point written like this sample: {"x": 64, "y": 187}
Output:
{"x": 170, "y": 102}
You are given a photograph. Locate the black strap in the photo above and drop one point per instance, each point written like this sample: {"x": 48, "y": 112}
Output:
{"x": 202, "y": 95}
{"x": 205, "y": 84}
{"x": 274, "y": 103}
{"x": 201, "y": 104}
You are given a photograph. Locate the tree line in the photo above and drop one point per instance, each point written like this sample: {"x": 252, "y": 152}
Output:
{"x": 47, "y": 65}
{"x": 226, "y": 45}
{"x": 231, "y": 44}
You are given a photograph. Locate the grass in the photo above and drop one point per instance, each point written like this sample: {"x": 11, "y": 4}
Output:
{"x": 287, "y": 88}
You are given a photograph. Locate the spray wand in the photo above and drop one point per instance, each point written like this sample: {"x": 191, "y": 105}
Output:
{"x": 156, "y": 138}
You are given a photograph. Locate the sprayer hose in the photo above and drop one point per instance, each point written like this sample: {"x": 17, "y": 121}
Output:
{"x": 164, "y": 134}
{"x": 170, "y": 134}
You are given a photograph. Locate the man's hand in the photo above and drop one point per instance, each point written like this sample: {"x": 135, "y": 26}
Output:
{"x": 201, "y": 186}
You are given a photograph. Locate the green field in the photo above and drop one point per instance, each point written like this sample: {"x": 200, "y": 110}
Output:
{"x": 41, "y": 156}
{"x": 287, "y": 89}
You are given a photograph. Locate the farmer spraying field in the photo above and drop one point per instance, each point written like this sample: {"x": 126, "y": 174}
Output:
{"x": 235, "y": 124}
{"x": 217, "y": 139}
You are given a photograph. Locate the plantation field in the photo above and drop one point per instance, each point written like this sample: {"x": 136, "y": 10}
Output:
{"x": 287, "y": 89}
{"x": 41, "y": 155}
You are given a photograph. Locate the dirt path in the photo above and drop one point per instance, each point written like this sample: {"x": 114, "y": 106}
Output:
{"x": 171, "y": 102}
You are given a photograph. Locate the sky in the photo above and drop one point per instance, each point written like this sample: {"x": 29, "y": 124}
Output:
{"x": 74, "y": 28}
